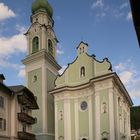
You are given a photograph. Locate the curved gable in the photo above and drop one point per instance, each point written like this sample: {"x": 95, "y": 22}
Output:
{"x": 83, "y": 69}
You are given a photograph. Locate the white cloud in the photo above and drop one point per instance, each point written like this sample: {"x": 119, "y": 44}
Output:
{"x": 97, "y": 4}
{"x": 101, "y": 14}
{"x": 135, "y": 92}
{"x": 120, "y": 66}
{"x": 130, "y": 76}
{"x": 11, "y": 45}
{"x": 117, "y": 13}
{"x": 129, "y": 16}
{"x": 20, "y": 69}
{"x": 21, "y": 73}
{"x": 5, "y": 12}
{"x": 126, "y": 76}
{"x": 4, "y": 63}
{"x": 62, "y": 69}
{"x": 126, "y": 71}
{"x": 21, "y": 29}
{"x": 100, "y": 10}
{"x": 124, "y": 5}
{"x": 59, "y": 50}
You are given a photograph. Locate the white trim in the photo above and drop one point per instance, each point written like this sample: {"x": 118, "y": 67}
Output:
{"x": 35, "y": 65}
{"x": 117, "y": 117}
{"x": 76, "y": 119}
{"x": 111, "y": 115}
{"x": 66, "y": 77}
{"x": 52, "y": 69}
{"x": 44, "y": 99}
{"x": 129, "y": 129}
{"x": 44, "y": 40}
{"x": 56, "y": 121}
{"x": 90, "y": 118}
{"x": 72, "y": 95}
{"x": 97, "y": 116}
{"x": 95, "y": 67}
{"x": 67, "y": 120}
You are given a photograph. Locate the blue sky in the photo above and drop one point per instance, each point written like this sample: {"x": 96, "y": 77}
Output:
{"x": 106, "y": 25}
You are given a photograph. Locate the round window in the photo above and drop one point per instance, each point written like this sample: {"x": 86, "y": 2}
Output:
{"x": 84, "y": 105}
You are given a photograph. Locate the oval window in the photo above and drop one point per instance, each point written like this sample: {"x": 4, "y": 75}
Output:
{"x": 84, "y": 105}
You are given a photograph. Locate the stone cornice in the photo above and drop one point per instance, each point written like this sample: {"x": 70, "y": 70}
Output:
{"x": 113, "y": 76}
{"x": 42, "y": 54}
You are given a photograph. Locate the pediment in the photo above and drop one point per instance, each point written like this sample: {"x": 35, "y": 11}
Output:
{"x": 35, "y": 27}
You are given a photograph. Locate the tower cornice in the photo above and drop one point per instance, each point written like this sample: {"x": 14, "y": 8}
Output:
{"x": 42, "y": 54}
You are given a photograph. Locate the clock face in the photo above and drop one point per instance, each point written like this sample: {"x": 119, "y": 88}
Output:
{"x": 84, "y": 105}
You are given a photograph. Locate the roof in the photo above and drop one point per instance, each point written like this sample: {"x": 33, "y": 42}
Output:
{"x": 2, "y": 77}
{"x": 6, "y": 88}
{"x": 42, "y": 5}
{"x": 20, "y": 88}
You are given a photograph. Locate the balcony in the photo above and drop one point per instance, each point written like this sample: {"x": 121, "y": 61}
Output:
{"x": 23, "y": 100}
{"x": 26, "y": 136}
{"x": 23, "y": 117}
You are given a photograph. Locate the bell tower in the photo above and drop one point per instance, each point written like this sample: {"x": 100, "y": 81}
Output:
{"x": 41, "y": 66}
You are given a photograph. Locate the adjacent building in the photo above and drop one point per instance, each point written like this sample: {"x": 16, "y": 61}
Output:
{"x": 16, "y": 105}
{"x": 135, "y": 6}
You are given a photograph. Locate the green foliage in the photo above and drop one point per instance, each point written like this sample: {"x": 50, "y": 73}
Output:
{"x": 135, "y": 117}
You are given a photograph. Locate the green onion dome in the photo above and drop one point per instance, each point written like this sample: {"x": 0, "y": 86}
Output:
{"x": 42, "y": 5}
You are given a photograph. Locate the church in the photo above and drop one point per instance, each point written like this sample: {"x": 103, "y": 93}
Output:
{"x": 87, "y": 102}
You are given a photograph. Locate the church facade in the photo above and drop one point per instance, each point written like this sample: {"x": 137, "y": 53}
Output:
{"x": 87, "y": 102}
{"x": 91, "y": 102}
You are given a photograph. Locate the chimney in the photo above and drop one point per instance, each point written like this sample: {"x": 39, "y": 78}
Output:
{"x": 2, "y": 78}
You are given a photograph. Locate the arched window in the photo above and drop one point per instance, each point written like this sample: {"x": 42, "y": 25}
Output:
{"x": 83, "y": 49}
{"x": 84, "y": 139}
{"x": 50, "y": 47}
{"x": 35, "y": 44}
{"x": 82, "y": 72}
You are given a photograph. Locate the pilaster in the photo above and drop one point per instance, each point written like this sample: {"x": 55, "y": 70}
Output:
{"x": 111, "y": 115}
{"x": 56, "y": 121}
{"x": 76, "y": 119}
{"x": 90, "y": 118}
{"x": 97, "y": 116}
{"x": 44, "y": 98}
{"x": 67, "y": 120}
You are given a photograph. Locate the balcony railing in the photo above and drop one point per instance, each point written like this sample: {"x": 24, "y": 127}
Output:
{"x": 26, "y": 136}
{"x": 23, "y": 117}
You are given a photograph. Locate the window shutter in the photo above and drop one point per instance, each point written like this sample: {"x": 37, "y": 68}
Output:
{"x": 0, "y": 123}
{"x": 4, "y": 126}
